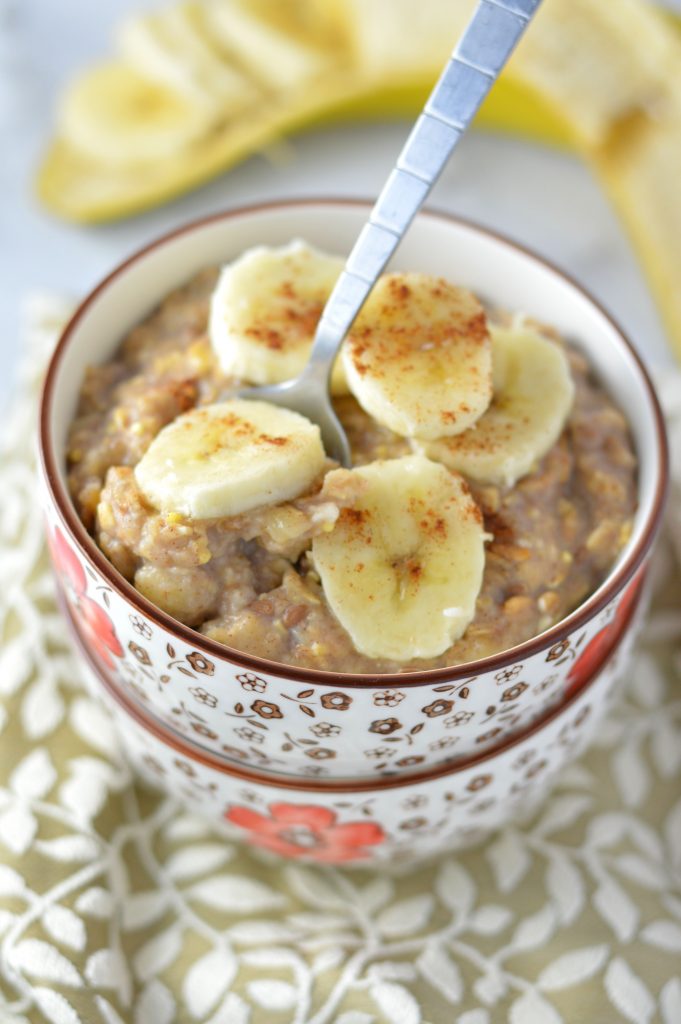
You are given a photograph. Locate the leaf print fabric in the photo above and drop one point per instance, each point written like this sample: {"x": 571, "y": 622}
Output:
{"x": 118, "y": 905}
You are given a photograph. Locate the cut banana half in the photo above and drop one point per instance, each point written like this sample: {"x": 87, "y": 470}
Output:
{"x": 533, "y": 395}
{"x": 114, "y": 115}
{"x": 418, "y": 358}
{"x": 227, "y": 458}
{"x": 265, "y": 310}
{"x": 171, "y": 46}
{"x": 402, "y": 567}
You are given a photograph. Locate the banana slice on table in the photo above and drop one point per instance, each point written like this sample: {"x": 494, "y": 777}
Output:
{"x": 115, "y": 115}
{"x": 174, "y": 46}
{"x": 403, "y": 566}
{"x": 533, "y": 395}
{"x": 227, "y": 458}
{"x": 418, "y": 358}
{"x": 265, "y": 309}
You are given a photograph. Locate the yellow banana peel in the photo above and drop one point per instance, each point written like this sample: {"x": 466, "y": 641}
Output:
{"x": 619, "y": 108}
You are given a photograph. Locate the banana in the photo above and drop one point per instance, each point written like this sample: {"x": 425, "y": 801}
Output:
{"x": 265, "y": 309}
{"x": 274, "y": 58}
{"x": 114, "y": 115}
{"x": 227, "y": 458}
{"x": 171, "y": 46}
{"x": 418, "y": 358}
{"x": 403, "y": 566}
{"x": 533, "y": 394}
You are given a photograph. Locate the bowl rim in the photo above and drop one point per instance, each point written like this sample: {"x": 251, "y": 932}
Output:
{"x": 146, "y": 720}
{"x": 585, "y": 612}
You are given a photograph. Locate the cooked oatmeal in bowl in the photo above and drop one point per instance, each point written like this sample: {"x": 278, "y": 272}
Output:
{"x": 421, "y": 606}
{"x": 251, "y": 580}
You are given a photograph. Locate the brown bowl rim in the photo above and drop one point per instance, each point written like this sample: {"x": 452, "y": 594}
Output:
{"x": 195, "y": 752}
{"x": 227, "y": 655}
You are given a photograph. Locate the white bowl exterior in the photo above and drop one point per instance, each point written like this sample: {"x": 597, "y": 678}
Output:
{"x": 407, "y": 822}
{"x": 282, "y": 722}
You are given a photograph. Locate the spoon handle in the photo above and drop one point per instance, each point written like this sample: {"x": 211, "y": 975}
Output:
{"x": 492, "y": 33}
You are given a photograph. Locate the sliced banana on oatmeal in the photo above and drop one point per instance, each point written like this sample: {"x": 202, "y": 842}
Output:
{"x": 227, "y": 458}
{"x": 533, "y": 395}
{"x": 264, "y": 312}
{"x": 402, "y": 567}
{"x": 418, "y": 358}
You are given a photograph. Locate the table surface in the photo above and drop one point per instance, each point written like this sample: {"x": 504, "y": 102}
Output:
{"x": 544, "y": 198}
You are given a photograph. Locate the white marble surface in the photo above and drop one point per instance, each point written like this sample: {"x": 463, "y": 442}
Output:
{"x": 543, "y": 198}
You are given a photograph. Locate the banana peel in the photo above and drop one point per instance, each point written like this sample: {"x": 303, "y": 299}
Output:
{"x": 630, "y": 136}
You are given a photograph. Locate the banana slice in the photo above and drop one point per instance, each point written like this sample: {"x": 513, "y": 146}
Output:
{"x": 171, "y": 46}
{"x": 418, "y": 358}
{"x": 273, "y": 57}
{"x": 265, "y": 309}
{"x": 227, "y": 458}
{"x": 533, "y": 395}
{"x": 114, "y": 115}
{"x": 402, "y": 567}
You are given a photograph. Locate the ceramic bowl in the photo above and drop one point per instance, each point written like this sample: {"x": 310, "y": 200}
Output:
{"x": 369, "y": 821}
{"x": 338, "y": 724}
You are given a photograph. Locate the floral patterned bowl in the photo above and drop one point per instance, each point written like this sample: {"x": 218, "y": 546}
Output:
{"x": 301, "y": 721}
{"x": 368, "y": 821}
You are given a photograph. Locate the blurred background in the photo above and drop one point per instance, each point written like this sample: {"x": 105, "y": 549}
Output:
{"x": 565, "y": 160}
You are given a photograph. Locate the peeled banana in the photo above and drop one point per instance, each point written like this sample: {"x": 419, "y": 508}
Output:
{"x": 418, "y": 358}
{"x": 227, "y": 458}
{"x": 533, "y": 395}
{"x": 403, "y": 566}
{"x": 265, "y": 309}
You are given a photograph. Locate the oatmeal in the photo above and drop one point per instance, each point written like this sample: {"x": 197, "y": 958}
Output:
{"x": 251, "y": 580}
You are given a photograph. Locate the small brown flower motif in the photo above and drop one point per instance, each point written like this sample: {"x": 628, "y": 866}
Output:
{"x": 411, "y": 803}
{"x": 203, "y": 730}
{"x": 314, "y": 769}
{"x": 325, "y": 729}
{"x": 582, "y": 716}
{"x": 408, "y": 762}
{"x": 507, "y": 674}
{"x": 384, "y": 726}
{"x": 203, "y": 697}
{"x": 484, "y": 805}
{"x": 336, "y": 701}
{"x": 460, "y": 718}
{"x": 413, "y": 823}
{"x": 240, "y": 755}
{"x": 388, "y": 698}
{"x": 153, "y": 764}
{"x": 513, "y": 692}
{"x": 479, "y": 782}
{"x": 443, "y": 742}
{"x": 438, "y": 707}
{"x": 534, "y": 769}
{"x": 201, "y": 664}
{"x": 185, "y": 767}
{"x": 251, "y": 682}
{"x": 265, "y": 709}
{"x": 141, "y": 627}
{"x": 250, "y": 735}
{"x": 320, "y": 753}
{"x": 524, "y": 759}
{"x": 558, "y": 650}
{"x": 485, "y": 736}
{"x": 545, "y": 683}
{"x": 139, "y": 653}
{"x": 378, "y": 753}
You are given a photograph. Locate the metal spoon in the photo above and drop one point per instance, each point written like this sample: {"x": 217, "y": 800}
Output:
{"x": 491, "y": 35}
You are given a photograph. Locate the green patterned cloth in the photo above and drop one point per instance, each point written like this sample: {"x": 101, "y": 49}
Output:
{"x": 116, "y": 905}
